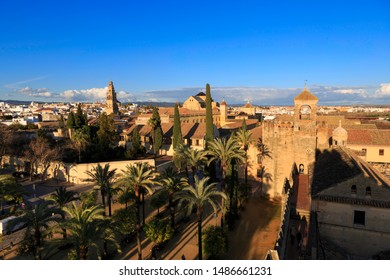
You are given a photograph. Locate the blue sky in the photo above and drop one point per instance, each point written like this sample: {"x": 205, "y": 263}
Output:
{"x": 261, "y": 51}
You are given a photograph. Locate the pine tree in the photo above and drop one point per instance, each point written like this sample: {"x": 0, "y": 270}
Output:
{"x": 155, "y": 123}
{"x": 177, "y": 136}
{"x": 209, "y": 116}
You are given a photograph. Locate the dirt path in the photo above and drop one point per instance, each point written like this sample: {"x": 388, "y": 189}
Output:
{"x": 256, "y": 232}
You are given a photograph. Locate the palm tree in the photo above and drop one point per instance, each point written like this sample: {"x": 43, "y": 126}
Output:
{"x": 195, "y": 159}
{"x": 172, "y": 184}
{"x": 180, "y": 158}
{"x": 39, "y": 221}
{"x": 126, "y": 195}
{"x": 225, "y": 151}
{"x": 140, "y": 177}
{"x": 104, "y": 178}
{"x": 243, "y": 138}
{"x": 87, "y": 226}
{"x": 80, "y": 140}
{"x": 62, "y": 197}
{"x": 198, "y": 196}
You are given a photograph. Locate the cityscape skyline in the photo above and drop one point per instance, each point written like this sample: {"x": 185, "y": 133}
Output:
{"x": 254, "y": 51}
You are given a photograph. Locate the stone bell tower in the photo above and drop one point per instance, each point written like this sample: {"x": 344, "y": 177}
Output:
{"x": 305, "y": 129}
{"x": 112, "y": 102}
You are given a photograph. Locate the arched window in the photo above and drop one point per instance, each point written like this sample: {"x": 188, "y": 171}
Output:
{"x": 368, "y": 191}
{"x": 304, "y": 112}
{"x": 353, "y": 189}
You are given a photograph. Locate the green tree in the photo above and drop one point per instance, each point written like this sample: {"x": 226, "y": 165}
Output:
{"x": 136, "y": 141}
{"x": 243, "y": 138}
{"x": 158, "y": 231}
{"x": 87, "y": 227}
{"x": 196, "y": 160}
{"x": 61, "y": 197}
{"x": 155, "y": 123}
{"x": 209, "y": 117}
{"x": 198, "y": 196}
{"x": 79, "y": 119}
{"x": 10, "y": 191}
{"x": 180, "y": 158}
{"x": 140, "y": 177}
{"x": 106, "y": 133}
{"x": 125, "y": 222}
{"x": 177, "y": 135}
{"x": 80, "y": 139}
{"x": 215, "y": 242}
{"x": 104, "y": 178}
{"x": 71, "y": 122}
{"x": 40, "y": 221}
{"x": 172, "y": 184}
{"x": 225, "y": 151}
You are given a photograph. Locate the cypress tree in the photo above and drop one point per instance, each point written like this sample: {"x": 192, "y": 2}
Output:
{"x": 177, "y": 136}
{"x": 244, "y": 125}
{"x": 71, "y": 121}
{"x": 80, "y": 118}
{"x": 209, "y": 131}
{"x": 136, "y": 141}
{"x": 209, "y": 116}
{"x": 155, "y": 123}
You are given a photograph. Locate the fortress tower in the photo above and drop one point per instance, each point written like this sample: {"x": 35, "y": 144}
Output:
{"x": 305, "y": 129}
{"x": 112, "y": 102}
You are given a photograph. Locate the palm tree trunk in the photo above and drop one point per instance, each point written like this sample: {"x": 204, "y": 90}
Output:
{"x": 83, "y": 252}
{"x": 139, "y": 248}
{"x": 109, "y": 205}
{"x": 223, "y": 178}
{"x": 200, "y": 257}
{"x": 37, "y": 237}
{"x": 172, "y": 212}
{"x": 193, "y": 169}
{"x": 103, "y": 200}
{"x": 143, "y": 208}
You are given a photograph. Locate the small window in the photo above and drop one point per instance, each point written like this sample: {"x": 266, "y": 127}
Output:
{"x": 381, "y": 152}
{"x": 353, "y": 189}
{"x": 359, "y": 218}
{"x": 364, "y": 151}
{"x": 368, "y": 191}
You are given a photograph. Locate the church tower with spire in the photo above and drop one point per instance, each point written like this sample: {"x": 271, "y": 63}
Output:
{"x": 112, "y": 102}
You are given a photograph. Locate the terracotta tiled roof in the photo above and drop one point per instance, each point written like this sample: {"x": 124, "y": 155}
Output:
{"x": 248, "y": 105}
{"x": 193, "y": 130}
{"x": 235, "y": 124}
{"x": 305, "y": 95}
{"x": 354, "y": 201}
{"x": 369, "y": 137}
{"x": 166, "y": 129}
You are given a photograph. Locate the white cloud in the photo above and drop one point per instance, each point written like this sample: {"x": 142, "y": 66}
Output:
{"x": 39, "y": 92}
{"x": 92, "y": 94}
{"x": 383, "y": 91}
